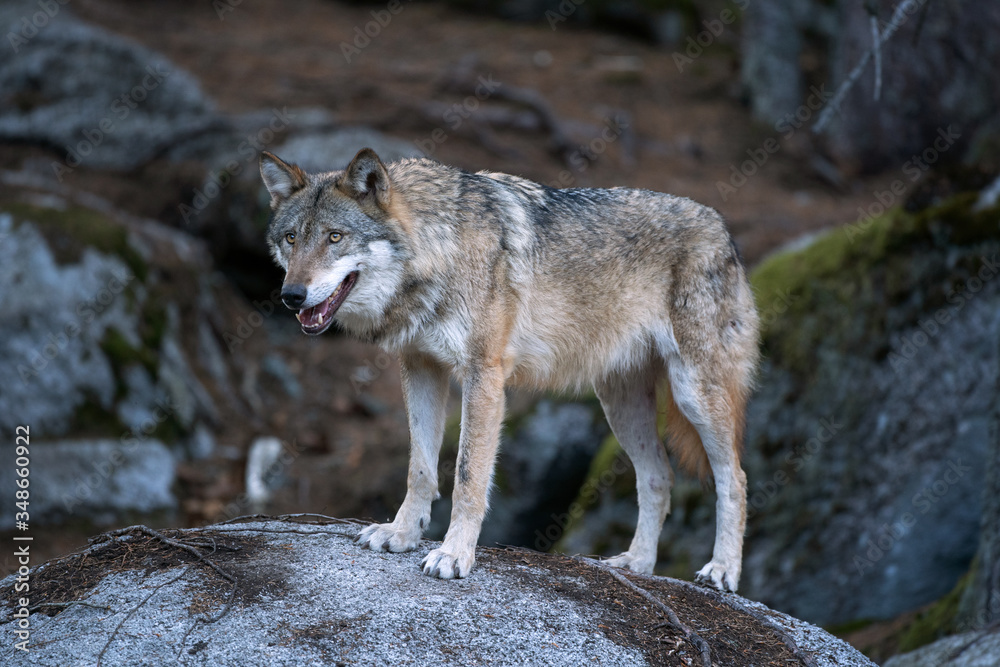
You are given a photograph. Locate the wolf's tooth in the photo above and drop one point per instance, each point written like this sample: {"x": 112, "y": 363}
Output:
{"x": 298, "y": 316}
{"x": 321, "y": 318}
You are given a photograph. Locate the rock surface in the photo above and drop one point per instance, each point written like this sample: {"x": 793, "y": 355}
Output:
{"x": 106, "y": 101}
{"x": 972, "y": 649}
{"x": 96, "y": 345}
{"x": 304, "y": 593}
{"x": 97, "y": 479}
{"x": 334, "y": 149}
{"x": 920, "y": 63}
{"x": 47, "y": 345}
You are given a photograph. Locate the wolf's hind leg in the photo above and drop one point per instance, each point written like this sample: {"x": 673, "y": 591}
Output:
{"x": 715, "y": 408}
{"x": 630, "y": 406}
{"x": 425, "y": 388}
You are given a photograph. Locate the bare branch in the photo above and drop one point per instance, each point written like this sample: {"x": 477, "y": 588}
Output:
{"x": 898, "y": 18}
{"x": 877, "y": 48}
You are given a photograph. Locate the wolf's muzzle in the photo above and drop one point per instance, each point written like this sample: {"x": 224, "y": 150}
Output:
{"x": 293, "y": 296}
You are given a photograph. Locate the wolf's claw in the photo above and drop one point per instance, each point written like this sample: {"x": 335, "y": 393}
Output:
{"x": 444, "y": 565}
{"x": 718, "y": 576}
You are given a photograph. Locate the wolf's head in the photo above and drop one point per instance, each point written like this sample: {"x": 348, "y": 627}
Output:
{"x": 337, "y": 239}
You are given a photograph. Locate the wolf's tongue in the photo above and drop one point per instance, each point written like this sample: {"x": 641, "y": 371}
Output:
{"x": 318, "y": 319}
{"x": 315, "y": 316}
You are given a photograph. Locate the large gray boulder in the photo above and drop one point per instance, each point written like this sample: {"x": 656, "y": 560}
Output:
{"x": 972, "y": 649}
{"x": 869, "y": 436}
{"x": 91, "y": 343}
{"x": 105, "y": 101}
{"x": 330, "y": 149}
{"x": 293, "y": 593}
{"x": 58, "y": 314}
{"x": 101, "y": 480}
{"x": 112, "y": 353}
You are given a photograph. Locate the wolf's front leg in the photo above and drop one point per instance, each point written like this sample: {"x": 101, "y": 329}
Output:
{"x": 482, "y": 415}
{"x": 425, "y": 390}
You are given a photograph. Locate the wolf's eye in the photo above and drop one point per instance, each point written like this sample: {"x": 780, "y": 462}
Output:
{"x": 290, "y": 237}
{"x": 335, "y": 237}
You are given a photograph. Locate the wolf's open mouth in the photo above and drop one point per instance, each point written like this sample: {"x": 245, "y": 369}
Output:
{"x": 318, "y": 319}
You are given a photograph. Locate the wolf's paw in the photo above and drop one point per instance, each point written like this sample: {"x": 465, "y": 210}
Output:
{"x": 628, "y": 561}
{"x": 388, "y": 537}
{"x": 717, "y": 575}
{"x": 444, "y": 564}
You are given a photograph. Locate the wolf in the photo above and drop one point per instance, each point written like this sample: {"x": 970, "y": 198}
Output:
{"x": 497, "y": 281}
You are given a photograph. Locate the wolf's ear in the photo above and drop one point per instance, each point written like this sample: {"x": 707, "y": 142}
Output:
{"x": 281, "y": 179}
{"x": 365, "y": 178}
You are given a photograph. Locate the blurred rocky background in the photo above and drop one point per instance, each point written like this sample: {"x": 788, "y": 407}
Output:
{"x": 143, "y": 342}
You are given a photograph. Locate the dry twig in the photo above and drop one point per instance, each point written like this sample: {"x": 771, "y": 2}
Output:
{"x": 674, "y": 621}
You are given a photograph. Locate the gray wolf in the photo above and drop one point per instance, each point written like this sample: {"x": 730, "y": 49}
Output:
{"x": 498, "y": 281}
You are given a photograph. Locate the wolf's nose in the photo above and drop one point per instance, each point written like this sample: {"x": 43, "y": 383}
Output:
{"x": 293, "y": 296}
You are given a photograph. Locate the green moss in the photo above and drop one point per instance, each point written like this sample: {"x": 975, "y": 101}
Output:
{"x": 71, "y": 230}
{"x": 597, "y": 483}
{"x": 852, "y": 287}
{"x": 602, "y": 462}
{"x": 936, "y": 621}
{"x": 844, "y": 629}
{"x": 153, "y": 323}
{"x": 93, "y": 419}
{"x": 452, "y": 431}
{"x": 169, "y": 431}
{"x": 908, "y": 632}
{"x": 121, "y": 353}
{"x": 447, "y": 459}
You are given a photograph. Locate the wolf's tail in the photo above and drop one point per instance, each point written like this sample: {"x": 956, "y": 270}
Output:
{"x": 683, "y": 440}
